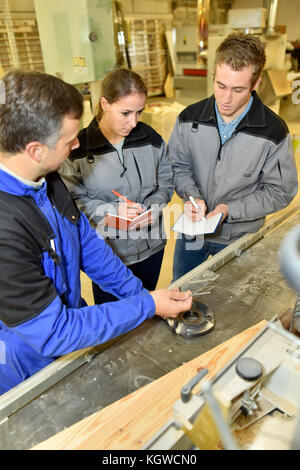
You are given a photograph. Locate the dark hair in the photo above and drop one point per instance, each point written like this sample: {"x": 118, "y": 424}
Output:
{"x": 240, "y": 50}
{"x": 119, "y": 83}
{"x": 34, "y": 106}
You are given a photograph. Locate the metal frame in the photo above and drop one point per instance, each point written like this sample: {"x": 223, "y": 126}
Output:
{"x": 18, "y": 396}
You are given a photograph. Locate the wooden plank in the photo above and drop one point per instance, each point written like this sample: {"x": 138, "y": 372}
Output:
{"x": 129, "y": 423}
{"x": 280, "y": 83}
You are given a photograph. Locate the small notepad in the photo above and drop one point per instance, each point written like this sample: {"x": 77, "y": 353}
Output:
{"x": 185, "y": 225}
{"x": 125, "y": 223}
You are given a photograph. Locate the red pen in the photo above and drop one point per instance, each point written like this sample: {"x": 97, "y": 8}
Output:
{"x": 122, "y": 197}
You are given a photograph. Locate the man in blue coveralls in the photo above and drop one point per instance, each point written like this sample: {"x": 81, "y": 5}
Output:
{"x": 45, "y": 241}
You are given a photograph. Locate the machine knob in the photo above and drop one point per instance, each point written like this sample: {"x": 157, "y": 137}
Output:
{"x": 248, "y": 368}
{"x": 93, "y": 36}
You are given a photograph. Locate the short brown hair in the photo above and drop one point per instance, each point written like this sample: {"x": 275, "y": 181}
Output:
{"x": 34, "y": 106}
{"x": 240, "y": 50}
{"x": 119, "y": 83}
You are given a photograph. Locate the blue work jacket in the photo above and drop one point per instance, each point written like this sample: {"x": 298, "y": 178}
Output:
{"x": 45, "y": 241}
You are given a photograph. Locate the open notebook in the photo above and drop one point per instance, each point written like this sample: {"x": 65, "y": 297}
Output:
{"x": 124, "y": 223}
{"x": 185, "y": 225}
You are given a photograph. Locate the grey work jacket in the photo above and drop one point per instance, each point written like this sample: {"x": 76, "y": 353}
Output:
{"x": 145, "y": 176}
{"x": 253, "y": 172}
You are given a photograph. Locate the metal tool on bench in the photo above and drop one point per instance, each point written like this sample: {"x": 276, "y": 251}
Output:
{"x": 198, "y": 321}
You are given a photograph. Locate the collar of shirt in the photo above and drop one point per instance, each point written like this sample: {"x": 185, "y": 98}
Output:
{"x": 34, "y": 184}
{"x": 227, "y": 128}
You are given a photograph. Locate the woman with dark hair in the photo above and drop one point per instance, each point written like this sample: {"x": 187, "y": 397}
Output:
{"x": 118, "y": 152}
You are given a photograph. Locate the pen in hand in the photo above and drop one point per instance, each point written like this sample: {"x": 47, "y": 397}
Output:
{"x": 131, "y": 210}
{"x": 190, "y": 197}
{"x": 121, "y": 197}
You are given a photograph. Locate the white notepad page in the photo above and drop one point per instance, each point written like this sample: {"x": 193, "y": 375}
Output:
{"x": 185, "y": 225}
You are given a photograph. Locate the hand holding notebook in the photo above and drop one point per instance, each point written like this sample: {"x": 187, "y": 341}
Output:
{"x": 188, "y": 224}
{"x": 206, "y": 225}
{"x": 131, "y": 215}
{"x": 126, "y": 223}
{"x": 129, "y": 211}
{"x": 194, "y": 208}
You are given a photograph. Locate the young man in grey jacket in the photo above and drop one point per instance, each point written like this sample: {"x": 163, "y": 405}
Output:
{"x": 231, "y": 153}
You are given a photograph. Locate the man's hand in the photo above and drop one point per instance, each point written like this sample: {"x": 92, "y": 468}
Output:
{"x": 219, "y": 209}
{"x": 193, "y": 213}
{"x": 170, "y": 302}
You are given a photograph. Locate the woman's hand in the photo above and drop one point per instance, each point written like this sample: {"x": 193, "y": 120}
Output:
{"x": 130, "y": 209}
{"x": 149, "y": 219}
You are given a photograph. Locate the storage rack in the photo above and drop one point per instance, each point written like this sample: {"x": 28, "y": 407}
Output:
{"x": 20, "y": 43}
{"x": 148, "y": 50}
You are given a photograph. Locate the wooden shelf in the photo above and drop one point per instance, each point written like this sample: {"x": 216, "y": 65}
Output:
{"x": 27, "y": 42}
{"x": 148, "y": 52}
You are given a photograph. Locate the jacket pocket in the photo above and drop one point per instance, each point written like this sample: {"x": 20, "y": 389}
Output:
{"x": 54, "y": 270}
{"x": 147, "y": 168}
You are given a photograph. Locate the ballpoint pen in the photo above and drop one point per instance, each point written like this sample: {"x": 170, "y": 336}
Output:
{"x": 190, "y": 197}
{"x": 122, "y": 197}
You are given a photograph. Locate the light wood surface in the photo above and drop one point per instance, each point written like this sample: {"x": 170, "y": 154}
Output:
{"x": 130, "y": 422}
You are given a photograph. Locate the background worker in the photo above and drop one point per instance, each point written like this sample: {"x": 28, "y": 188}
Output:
{"x": 45, "y": 241}
{"x": 117, "y": 151}
{"x": 231, "y": 153}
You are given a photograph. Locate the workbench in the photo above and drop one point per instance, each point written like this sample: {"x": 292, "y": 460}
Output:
{"x": 129, "y": 423}
{"x": 243, "y": 286}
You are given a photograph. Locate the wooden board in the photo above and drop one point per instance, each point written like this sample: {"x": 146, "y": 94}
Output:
{"x": 279, "y": 81}
{"x": 130, "y": 422}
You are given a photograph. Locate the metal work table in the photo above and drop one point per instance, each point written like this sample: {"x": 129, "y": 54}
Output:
{"x": 242, "y": 292}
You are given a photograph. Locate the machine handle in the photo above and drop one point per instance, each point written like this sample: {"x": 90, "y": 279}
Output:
{"x": 187, "y": 389}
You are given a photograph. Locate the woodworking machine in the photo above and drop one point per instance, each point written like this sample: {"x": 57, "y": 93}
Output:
{"x": 262, "y": 378}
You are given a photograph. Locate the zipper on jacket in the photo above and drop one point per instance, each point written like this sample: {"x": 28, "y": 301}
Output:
{"x": 51, "y": 218}
{"x": 222, "y": 145}
{"x": 137, "y": 169}
{"x": 120, "y": 160}
{"x": 53, "y": 253}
